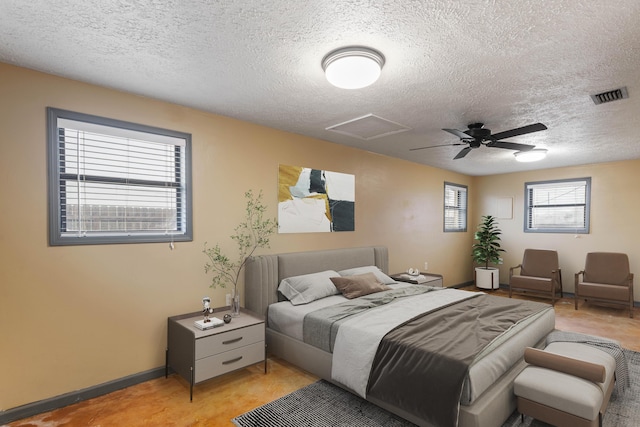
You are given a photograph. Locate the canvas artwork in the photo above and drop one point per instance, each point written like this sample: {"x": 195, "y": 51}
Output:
{"x": 315, "y": 200}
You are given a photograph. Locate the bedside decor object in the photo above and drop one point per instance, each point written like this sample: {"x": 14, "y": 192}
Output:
{"x": 249, "y": 235}
{"x": 227, "y": 318}
{"x": 207, "y": 322}
{"x": 203, "y": 325}
{"x": 206, "y": 309}
{"x": 487, "y": 251}
{"x": 413, "y": 272}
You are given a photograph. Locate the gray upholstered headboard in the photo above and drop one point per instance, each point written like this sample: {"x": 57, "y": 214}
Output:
{"x": 263, "y": 273}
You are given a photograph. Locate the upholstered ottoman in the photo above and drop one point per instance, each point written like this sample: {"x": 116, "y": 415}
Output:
{"x": 566, "y": 384}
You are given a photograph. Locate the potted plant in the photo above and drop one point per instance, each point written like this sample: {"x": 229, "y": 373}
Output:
{"x": 251, "y": 234}
{"x": 487, "y": 251}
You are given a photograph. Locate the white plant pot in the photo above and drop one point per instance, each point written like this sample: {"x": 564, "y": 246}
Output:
{"x": 487, "y": 278}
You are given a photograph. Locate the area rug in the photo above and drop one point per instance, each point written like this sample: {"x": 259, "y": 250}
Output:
{"x": 322, "y": 404}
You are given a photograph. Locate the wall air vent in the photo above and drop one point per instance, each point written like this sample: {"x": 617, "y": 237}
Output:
{"x": 609, "y": 96}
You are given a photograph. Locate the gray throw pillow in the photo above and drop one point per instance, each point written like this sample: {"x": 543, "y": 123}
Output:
{"x": 358, "y": 285}
{"x": 308, "y": 287}
{"x": 383, "y": 278}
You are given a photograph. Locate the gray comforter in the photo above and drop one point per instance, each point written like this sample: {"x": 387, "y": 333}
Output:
{"x": 321, "y": 326}
{"x": 420, "y": 366}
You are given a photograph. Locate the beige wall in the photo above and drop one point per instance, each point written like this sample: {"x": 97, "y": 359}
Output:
{"x": 614, "y": 217}
{"x": 75, "y": 317}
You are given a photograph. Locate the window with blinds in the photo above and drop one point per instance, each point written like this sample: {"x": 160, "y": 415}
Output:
{"x": 116, "y": 182}
{"x": 560, "y": 206}
{"x": 455, "y": 207}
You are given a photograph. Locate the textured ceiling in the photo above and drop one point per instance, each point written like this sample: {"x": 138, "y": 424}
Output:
{"x": 448, "y": 63}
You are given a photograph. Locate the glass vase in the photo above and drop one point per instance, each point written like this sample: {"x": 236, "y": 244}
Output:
{"x": 235, "y": 303}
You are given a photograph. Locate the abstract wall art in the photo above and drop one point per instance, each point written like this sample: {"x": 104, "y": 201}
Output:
{"x": 315, "y": 200}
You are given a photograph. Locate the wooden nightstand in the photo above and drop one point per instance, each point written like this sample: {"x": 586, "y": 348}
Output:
{"x": 198, "y": 355}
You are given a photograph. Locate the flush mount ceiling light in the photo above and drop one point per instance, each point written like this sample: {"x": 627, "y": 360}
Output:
{"x": 531, "y": 155}
{"x": 353, "y": 67}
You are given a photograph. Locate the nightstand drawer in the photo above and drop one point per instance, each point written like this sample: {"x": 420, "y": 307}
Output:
{"x": 226, "y": 341}
{"x": 228, "y": 361}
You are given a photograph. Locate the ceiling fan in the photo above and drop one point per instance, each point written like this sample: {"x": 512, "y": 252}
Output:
{"x": 477, "y": 135}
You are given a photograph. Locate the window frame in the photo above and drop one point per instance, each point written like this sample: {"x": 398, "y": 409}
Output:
{"x": 465, "y": 209}
{"x": 59, "y": 237}
{"x": 565, "y": 230}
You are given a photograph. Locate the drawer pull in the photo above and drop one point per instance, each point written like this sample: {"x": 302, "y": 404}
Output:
{"x": 231, "y": 341}
{"x": 232, "y": 360}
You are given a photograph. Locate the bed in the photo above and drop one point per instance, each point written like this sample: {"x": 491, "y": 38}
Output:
{"x": 486, "y": 398}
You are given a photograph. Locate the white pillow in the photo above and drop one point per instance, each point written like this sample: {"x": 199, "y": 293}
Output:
{"x": 383, "y": 278}
{"x": 308, "y": 287}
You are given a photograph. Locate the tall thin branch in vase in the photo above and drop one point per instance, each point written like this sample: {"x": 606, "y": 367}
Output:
{"x": 250, "y": 235}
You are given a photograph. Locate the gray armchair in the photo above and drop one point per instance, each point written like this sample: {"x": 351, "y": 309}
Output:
{"x": 605, "y": 278}
{"x": 540, "y": 274}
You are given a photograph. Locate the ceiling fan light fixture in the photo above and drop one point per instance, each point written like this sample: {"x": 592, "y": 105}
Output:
{"x": 353, "y": 67}
{"x": 531, "y": 155}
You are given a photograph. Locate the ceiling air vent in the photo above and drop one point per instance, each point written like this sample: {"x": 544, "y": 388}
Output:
{"x": 612, "y": 95}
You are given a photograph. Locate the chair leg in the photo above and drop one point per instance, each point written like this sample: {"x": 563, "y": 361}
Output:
{"x": 560, "y": 283}
{"x": 561, "y": 291}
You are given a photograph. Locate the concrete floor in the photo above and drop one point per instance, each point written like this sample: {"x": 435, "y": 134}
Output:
{"x": 165, "y": 402}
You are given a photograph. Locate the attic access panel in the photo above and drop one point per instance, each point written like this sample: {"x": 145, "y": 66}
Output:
{"x": 368, "y": 127}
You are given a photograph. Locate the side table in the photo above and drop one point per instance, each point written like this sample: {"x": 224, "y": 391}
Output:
{"x": 431, "y": 279}
{"x": 198, "y": 355}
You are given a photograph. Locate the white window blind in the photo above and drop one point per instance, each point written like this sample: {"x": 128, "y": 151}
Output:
{"x": 455, "y": 207}
{"x": 117, "y": 182}
{"x": 560, "y": 206}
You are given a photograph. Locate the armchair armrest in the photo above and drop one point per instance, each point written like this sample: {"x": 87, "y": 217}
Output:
{"x": 557, "y": 274}
{"x": 579, "y": 368}
{"x": 513, "y": 268}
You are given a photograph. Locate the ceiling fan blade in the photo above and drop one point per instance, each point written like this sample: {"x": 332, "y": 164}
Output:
{"x": 536, "y": 127}
{"x": 458, "y": 133}
{"x": 433, "y": 146}
{"x": 510, "y": 145}
{"x": 462, "y": 153}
